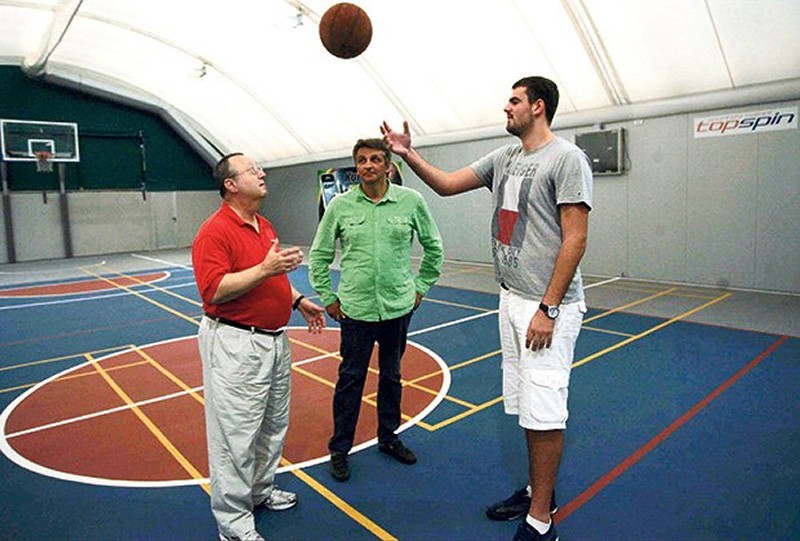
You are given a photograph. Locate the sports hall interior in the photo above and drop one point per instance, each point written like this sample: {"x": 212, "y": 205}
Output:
{"x": 684, "y": 411}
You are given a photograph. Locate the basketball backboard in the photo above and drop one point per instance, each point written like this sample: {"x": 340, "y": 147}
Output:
{"x": 22, "y": 139}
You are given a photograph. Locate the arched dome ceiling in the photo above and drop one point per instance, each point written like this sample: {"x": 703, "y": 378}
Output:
{"x": 251, "y": 75}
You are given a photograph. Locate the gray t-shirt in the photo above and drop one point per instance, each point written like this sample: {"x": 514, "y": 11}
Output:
{"x": 527, "y": 188}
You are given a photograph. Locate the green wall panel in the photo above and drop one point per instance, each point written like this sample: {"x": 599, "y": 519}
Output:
{"x": 108, "y": 135}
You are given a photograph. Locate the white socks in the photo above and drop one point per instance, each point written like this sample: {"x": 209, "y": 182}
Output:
{"x": 539, "y": 526}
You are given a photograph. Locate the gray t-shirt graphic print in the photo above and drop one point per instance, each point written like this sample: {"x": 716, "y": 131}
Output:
{"x": 527, "y": 189}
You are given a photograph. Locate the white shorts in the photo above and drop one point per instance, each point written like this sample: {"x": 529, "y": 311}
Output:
{"x": 536, "y": 383}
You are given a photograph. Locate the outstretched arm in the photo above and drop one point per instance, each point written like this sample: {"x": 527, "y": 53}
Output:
{"x": 442, "y": 182}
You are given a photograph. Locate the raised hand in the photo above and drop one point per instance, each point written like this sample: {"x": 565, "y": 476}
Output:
{"x": 280, "y": 261}
{"x": 399, "y": 143}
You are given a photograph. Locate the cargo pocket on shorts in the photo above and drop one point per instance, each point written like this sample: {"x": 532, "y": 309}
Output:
{"x": 548, "y": 391}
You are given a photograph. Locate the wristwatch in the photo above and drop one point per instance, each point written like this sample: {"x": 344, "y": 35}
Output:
{"x": 550, "y": 311}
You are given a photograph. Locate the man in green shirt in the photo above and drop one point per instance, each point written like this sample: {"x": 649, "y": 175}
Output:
{"x": 375, "y": 224}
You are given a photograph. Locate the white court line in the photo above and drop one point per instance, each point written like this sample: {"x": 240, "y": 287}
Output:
{"x": 102, "y": 413}
{"x": 454, "y": 322}
{"x": 94, "y": 298}
{"x": 53, "y": 271}
{"x": 317, "y": 358}
{"x": 484, "y": 314}
{"x": 414, "y": 333}
{"x": 604, "y": 282}
{"x": 26, "y": 463}
{"x": 161, "y": 261}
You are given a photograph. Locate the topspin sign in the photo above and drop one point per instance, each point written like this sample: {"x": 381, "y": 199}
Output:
{"x": 750, "y": 122}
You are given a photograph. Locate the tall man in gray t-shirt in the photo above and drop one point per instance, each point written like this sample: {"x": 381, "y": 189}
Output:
{"x": 542, "y": 192}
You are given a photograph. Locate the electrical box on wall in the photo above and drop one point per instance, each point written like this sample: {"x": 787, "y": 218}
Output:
{"x": 605, "y": 149}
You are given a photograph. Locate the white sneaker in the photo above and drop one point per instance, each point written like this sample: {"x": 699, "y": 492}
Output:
{"x": 249, "y": 536}
{"x": 279, "y": 500}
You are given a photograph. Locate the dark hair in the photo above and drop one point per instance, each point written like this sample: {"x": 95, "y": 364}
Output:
{"x": 541, "y": 88}
{"x": 222, "y": 170}
{"x": 374, "y": 144}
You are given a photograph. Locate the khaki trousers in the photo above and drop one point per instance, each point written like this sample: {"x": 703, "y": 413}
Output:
{"x": 247, "y": 385}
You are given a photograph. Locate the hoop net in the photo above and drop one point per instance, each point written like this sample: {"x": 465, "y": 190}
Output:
{"x": 44, "y": 163}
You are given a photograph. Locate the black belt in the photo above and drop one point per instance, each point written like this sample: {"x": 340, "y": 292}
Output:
{"x": 244, "y": 327}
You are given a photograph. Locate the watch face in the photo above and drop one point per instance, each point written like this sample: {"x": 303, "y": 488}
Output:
{"x": 552, "y": 312}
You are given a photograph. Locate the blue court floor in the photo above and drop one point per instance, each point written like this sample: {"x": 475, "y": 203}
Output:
{"x": 678, "y": 430}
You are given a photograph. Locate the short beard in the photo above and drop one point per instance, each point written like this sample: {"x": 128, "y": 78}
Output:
{"x": 518, "y": 130}
{"x": 513, "y": 130}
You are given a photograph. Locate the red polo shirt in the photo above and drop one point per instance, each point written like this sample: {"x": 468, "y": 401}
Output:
{"x": 224, "y": 244}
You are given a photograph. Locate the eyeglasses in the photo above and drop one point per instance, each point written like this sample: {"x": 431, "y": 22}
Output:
{"x": 252, "y": 170}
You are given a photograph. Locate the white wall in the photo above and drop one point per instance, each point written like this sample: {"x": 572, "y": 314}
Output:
{"x": 105, "y": 222}
{"x": 721, "y": 211}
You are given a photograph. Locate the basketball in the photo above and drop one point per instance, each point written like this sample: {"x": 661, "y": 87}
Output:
{"x": 345, "y": 30}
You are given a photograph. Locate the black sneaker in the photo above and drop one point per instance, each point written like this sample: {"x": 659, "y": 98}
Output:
{"x": 338, "y": 467}
{"x": 526, "y": 532}
{"x": 516, "y": 506}
{"x": 398, "y": 451}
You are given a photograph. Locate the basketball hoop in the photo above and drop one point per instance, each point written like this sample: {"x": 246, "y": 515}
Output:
{"x": 44, "y": 163}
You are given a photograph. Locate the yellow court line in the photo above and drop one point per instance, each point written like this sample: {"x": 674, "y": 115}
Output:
{"x": 317, "y": 349}
{"x": 91, "y": 374}
{"x": 467, "y": 413}
{"x": 168, "y": 445}
{"x": 18, "y": 387}
{"x": 154, "y": 286}
{"x": 629, "y": 340}
{"x": 693, "y": 296}
{"x": 629, "y": 305}
{"x": 170, "y": 376}
{"x": 315, "y": 377}
{"x": 61, "y": 358}
{"x": 342, "y": 505}
{"x": 68, "y": 377}
{"x": 428, "y": 390}
{"x": 678, "y": 291}
{"x": 404, "y": 416}
{"x": 606, "y": 331}
{"x": 458, "y": 305}
{"x": 475, "y": 359}
{"x": 413, "y": 384}
{"x": 650, "y": 331}
{"x": 143, "y": 297}
{"x": 447, "y": 397}
{"x": 335, "y": 500}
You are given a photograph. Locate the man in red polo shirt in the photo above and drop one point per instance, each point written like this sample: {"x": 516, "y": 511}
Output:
{"x": 247, "y": 297}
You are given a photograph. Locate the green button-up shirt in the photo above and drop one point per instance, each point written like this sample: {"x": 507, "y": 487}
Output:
{"x": 376, "y": 281}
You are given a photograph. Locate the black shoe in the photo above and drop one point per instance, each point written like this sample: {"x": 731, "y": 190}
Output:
{"x": 338, "y": 467}
{"x": 516, "y": 506}
{"x": 398, "y": 451}
{"x": 526, "y": 532}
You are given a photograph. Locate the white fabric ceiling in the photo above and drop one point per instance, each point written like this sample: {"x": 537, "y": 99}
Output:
{"x": 252, "y": 75}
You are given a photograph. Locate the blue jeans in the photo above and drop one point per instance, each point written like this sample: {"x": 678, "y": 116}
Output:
{"x": 357, "y": 340}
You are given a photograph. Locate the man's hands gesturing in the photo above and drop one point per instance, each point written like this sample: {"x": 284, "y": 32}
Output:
{"x": 399, "y": 143}
{"x": 280, "y": 261}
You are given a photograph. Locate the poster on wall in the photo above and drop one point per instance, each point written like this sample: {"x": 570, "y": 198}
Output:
{"x": 336, "y": 181}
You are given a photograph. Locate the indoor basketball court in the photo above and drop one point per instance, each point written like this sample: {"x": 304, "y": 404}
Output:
{"x": 102, "y": 417}
{"x": 675, "y": 122}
